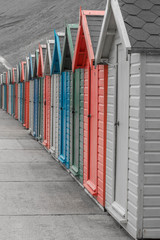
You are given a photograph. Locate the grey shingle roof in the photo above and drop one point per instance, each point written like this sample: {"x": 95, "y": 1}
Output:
{"x": 142, "y": 20}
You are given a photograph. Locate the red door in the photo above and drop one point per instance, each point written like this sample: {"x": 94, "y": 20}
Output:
{"x": 90, "y": 124}
{"x": 92, "y": 158}
{"x": 46, "y": 108}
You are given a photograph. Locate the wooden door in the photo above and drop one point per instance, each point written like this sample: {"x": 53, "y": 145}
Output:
{"x": 62, "y": 117}
{"x": 121, "y": 130}
{"x": 36, "y": 103}
{"x": 46, "y": 111}
{"x": 31, "y": 106}
{"x": 40, "y": 110}
{"x": 92, "y": 132}
{"x": 52, "y": 116}
{"x": 75, "y": 126}
{"x": 54, "y": 112}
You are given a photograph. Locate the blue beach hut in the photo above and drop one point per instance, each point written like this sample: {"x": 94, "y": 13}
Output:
{"x": 64, "y": 101}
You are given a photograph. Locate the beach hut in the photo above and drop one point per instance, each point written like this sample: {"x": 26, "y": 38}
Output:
{"x": 26, "y": 95}
{"x": 2, "y": 91}
{"x": 23, "y": 70}
{"x": 47, "y": 94}
{"x": 55, "y": 79}
{"x": 31, "y": 91}
{"x": 64, "y": 102}
{"x": 40, "y": 74}
{"x": 19, "y": 91}
{"x": 14, "y": 72}
{"x": 76, "y": 101}
{"x": 129, "y": 44}
{"x": 36, "y": 96}
{"x": 95, "y": 110}
{"x": 7, "y": 93}
{"x": 9, "y": 87}
{"x": 5, "y": 90}
{"x": 15, "y": 92}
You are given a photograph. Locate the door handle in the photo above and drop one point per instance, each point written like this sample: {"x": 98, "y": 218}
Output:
{"x": 116, "y": 123}
{"x": 73, "y": 111}
{"x": 45, "y": 102}
{"x": 61, "y": 108}
{"x": 89, "y": 115}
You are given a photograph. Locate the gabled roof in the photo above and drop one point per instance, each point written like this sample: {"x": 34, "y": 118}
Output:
{"x": 68, "y": 47}
{"x": 42, "y": 55}
{"x": 9, "y": 76}
{"x": 23, "y": 70}
{"x": 57, "y": 53}
{"x": 49, "y": 55}
{"x": 87, "y": 37}
{"x": 31, "y": 65}
{"x": 27, "y": 69}
{"x": 14, "y": 75}
{"x": 5, "y": 77}
{"x": 138, "y": 24}
{"x": 18, "y": 72}
{"x": 1, "y": 78}
{"x": 36, "y": 63}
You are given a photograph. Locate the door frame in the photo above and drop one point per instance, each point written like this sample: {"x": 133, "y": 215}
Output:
{"x": 73, "y": 167}
{"x": 62, "y": 90}
{"x": 114, "y": 209}
{"x": 89, "y": 185}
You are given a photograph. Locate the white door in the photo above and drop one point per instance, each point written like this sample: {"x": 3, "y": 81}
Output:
{"x": 121, "y": 130}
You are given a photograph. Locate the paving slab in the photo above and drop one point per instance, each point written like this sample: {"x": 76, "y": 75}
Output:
{"x": 28, "y": 172}
{"x": 18, "y": 134}
{"x": 20, "y": 156}
{"x": 72, "y": 227}
{"x": 23, "y": 198}
{"x": 19, "y": 144}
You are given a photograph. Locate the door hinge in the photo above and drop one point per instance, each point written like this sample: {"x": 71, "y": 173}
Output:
{"x": 116, "y": 123}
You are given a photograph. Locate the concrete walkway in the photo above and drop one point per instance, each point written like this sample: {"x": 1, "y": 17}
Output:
{"x": 38, "y": 198}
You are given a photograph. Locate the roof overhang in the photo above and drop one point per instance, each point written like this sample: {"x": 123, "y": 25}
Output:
{"x": 113, "y": 20}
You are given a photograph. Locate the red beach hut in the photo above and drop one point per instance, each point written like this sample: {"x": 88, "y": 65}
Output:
{"x": 95, "y": 103}
{"x": 47, "y": 93}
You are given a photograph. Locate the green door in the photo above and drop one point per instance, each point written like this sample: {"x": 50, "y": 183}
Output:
{"x": 75, "y": 129}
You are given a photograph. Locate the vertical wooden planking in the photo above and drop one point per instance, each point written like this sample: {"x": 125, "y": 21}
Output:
{"x": 85, "y": 120}
{"x": 57, "y": 89}
{"x": 81, "y": 111}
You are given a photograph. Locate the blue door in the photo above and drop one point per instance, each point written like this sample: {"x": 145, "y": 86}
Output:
{"x": 64, "y": 111}
{"x": 21, "y": 100}
{"x": 36, "y": 102}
